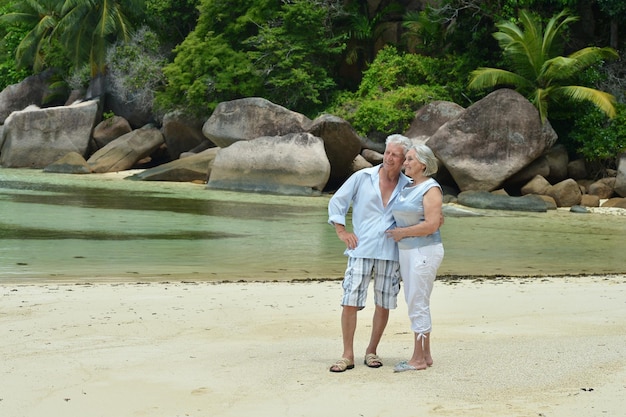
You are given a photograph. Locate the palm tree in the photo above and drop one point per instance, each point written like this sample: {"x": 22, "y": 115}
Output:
{"x": 542, "y": 75}
{"x": 85, "y": 28}
{"x": 90, "y": 26}
{"x": 41, "y": 18}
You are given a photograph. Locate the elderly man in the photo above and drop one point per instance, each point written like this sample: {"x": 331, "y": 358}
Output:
{"x": 371, "y": 193}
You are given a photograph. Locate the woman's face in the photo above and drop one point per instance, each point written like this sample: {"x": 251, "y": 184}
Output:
{"x": 412, "y": 166}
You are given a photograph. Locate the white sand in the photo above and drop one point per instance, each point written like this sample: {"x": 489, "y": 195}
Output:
{"x": 553, "y": 347}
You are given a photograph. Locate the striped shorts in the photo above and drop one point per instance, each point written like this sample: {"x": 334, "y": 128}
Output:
{"x": 356, "y": 281}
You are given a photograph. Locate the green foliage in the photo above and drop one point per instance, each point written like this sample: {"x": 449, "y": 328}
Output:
{"x": 292, "y": 53}
{"x": 88, "y": 27}
{"x": 206, "y": 71}
{"x": 9, "y": 71}
{"x": 393, "y": 88}
{"x": 36, "y": 21}
{"x": 538, "y": 71}
{"x": 613, "y": 8}
{"x": 279, "y": 51}
{"x": 599, "y": 138}
{"x": 172, "y": 20}
{"x": 389, "y": 112}
{"x": 78, "y": 30}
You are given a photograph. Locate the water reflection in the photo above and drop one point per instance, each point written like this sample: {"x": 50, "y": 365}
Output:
{"x": 95, "y": 227}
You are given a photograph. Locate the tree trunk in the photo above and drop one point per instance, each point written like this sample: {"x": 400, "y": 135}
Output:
{"x": 614, "y": 33}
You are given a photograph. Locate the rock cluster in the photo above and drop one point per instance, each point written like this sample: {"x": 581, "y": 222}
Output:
{"x": 494, "y": 154}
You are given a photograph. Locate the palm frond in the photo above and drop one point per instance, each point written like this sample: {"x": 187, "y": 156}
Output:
{"x": 484, "y": 78}
{"x": 602, "y": 100}
{"x": 553, "y": 29}
{"x": 592, "y": 55}
{"x": 541, "y": 99}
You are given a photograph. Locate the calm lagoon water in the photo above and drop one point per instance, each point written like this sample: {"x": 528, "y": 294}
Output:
{"x": 90, "y": 228}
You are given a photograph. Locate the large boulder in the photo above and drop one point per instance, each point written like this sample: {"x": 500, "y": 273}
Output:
{"x": 182, "y": 133}
{"x": 431, "y": 117}
{"x": 558, "y": 160}
{"x": 124, "y": 152}
{"x": 251, "y": 118}
{"x": 538, "y": 185}
{"x": 566, "y": 193}
{"x": 492, "y": 140}
{"x": 538, "y": 167}
{"x": 486, "y": 200}
{"x": 110, "y": 129}
{"x": 294, "y": 164}
{"x": 30, "y": 91}
{"x": 72, "y": 163}
{"x": 196, "y": 168}
{"x": 342, "y": 145}
{"x": 603, "y": 188}
{"x": 35, "y": 138}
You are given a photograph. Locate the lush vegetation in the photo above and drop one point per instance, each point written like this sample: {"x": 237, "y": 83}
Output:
{"x": 375, "y": 68}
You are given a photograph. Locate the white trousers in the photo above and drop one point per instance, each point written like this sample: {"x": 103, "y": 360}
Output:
{"x": 418, "y": 268}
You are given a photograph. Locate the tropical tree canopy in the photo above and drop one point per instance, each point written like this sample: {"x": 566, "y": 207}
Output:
{"x": 539, "y": 71}
{"x": 85, "y": 28}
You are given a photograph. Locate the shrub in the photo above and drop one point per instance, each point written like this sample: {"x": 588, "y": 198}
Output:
{"x": 599, "y": 138}
{"x": 393, "y": 88}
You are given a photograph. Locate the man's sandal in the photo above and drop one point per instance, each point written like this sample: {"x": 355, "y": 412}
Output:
{"x": 372, "y": 360}
{"x": 341, "y": 365}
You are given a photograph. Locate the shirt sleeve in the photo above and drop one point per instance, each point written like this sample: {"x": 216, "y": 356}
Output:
{"x": 340, "y": 202}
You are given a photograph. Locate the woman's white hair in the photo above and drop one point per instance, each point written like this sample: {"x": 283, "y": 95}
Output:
{"x": 426, "y": 156}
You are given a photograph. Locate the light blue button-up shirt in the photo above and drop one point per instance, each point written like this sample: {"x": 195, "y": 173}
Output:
{"x": 370, "y": 219}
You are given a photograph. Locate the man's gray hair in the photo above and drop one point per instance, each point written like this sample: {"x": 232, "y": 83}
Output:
{"x": 398, "y": 139}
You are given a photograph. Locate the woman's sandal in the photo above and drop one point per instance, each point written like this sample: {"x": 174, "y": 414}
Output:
{"x": 341, "y": 365}
{"x": 372, "y": 360}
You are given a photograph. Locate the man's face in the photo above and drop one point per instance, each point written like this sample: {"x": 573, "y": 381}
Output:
{"x": 393, "y": 158}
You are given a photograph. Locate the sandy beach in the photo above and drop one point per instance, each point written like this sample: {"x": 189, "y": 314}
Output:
{"x": 553, "y": 347}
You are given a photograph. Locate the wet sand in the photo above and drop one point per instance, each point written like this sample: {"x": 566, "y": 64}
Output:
{"x": 553, "y": 347}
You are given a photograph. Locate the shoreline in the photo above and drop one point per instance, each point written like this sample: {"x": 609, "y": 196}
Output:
{"x": 552, "y": 346}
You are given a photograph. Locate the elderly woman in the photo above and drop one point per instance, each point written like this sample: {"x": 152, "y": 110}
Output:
{"x": 418, "y": 215}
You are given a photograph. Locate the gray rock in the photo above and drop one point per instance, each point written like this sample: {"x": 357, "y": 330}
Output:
{"x": 431, "y": 117}
{"x": 193, "y": 168}
{"x": 294, "y": 164}
{"x": 486, "y": 200}
{"x": 342, "y": 145}
{"x": 588, "y": 200}
{"x": 371, "y": 156}
{"x": 72, "y": 163}
{"x": 538, "y": 185}
{"x": 492, "y": 140}
{"x": 618, "y": 202}
{"x": 182, "y": 133}
{"x": 125, "y": 151}
{"x": 578, "y": 209}
{"x": 566, "y": 193}
{"x": 603, "y": 188}
{"x": 453, "y": 211}
{"x": 250, "y": 118}
{"x": 110, "y": 129}
{"x": 36, "y": 138}
{"x": 29, "y": 91}
{"x": 360, "y": 163}
{"x": 557, "y": 160}
{"x": 538, "y": 167}
{"x": 577, "y": 169}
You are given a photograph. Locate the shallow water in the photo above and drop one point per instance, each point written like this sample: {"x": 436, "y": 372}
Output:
{"x": 100, "y": 227}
